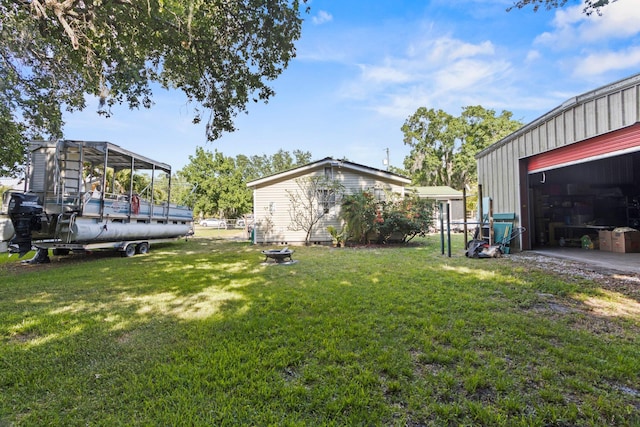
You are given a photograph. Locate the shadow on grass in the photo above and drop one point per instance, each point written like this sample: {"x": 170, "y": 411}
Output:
{"x": 199, "y": 332}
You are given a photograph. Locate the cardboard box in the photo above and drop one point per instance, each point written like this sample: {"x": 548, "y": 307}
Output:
{"x": 605, "y": 240}
{"x": 625, "y": 241}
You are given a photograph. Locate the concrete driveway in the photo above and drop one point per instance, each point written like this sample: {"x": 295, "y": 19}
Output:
{"x": 625, "y": 263}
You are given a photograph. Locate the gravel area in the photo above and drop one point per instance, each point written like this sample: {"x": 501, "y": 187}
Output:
{"x": 613, "y": 280}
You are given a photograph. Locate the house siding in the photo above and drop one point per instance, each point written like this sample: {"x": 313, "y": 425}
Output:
{"x": 272, "y": 206}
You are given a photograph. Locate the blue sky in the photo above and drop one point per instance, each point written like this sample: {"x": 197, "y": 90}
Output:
{"x": 363, "y": 67}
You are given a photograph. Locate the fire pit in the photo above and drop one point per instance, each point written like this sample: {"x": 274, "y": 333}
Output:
{"x": 278, "y": 255}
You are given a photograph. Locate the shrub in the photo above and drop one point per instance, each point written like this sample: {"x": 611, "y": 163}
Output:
{"x": 396, "y": 220}
{"x": 405, "y": 219}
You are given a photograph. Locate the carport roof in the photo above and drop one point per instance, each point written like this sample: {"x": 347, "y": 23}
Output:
{"x": 437, "y": 192}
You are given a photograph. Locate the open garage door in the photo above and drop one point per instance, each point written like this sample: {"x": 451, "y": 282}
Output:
{"x": 579, "y": 190}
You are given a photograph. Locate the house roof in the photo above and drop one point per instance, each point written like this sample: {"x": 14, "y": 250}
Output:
{"x": 329, "y": 161}
{"x": 437, "y": 191}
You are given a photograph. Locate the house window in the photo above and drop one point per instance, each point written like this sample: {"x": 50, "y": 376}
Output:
{"x": 379, "y": 194}
{"x": 328, "y": 172}
{"x": 326, "y": 200}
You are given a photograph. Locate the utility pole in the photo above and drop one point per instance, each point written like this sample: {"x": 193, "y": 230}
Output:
{"x": 386, "y": 160}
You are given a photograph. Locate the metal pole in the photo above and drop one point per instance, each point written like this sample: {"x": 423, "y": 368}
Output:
{"x": 464, "y": 215}
{"x": 480, "y": 212}
{"x": 448, "y": 230}
{"x": 441, "y": 227}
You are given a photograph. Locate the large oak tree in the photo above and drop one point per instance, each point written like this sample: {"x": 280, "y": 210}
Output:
{"x": 443, "y": 146}
{"x": 53, "y": 53}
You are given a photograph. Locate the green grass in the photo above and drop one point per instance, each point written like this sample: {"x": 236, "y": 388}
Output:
{"x": 201, "y": 333}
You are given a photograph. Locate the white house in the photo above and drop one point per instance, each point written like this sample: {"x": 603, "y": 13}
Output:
{"x": 273, "y": 208}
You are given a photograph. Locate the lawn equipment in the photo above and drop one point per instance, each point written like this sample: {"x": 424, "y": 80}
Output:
{"x": 480, "y": 248}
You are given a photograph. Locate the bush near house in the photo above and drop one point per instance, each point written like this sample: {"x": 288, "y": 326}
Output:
{"x": 368, "y": 219}
{"x": 404, "y": 219}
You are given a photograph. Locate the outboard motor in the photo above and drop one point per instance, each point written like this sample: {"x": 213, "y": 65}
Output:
{"x": 26, "y": 216}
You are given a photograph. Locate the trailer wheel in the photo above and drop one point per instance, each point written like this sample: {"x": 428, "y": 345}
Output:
{"x": 129, "y": 250}
{"x": 142, "y": 248}
{"x": 60, "y": 251}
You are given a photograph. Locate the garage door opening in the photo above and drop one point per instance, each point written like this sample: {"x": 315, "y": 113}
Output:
{"x": 570, "y": 202}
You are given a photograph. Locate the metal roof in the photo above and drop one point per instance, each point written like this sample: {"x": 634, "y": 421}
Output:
{"x": 437, "y": 191}
{"x": 117, "y": 157}
{"x": 329, "y": 161}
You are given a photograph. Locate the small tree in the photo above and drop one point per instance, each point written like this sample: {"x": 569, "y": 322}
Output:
{"x": 358, "y": 211}
{"x": 311, "y": 201}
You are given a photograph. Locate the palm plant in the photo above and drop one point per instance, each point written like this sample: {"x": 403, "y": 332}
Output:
{"x": 358, "y": 211}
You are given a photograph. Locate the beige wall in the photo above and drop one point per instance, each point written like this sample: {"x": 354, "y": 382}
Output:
{"x": 272, "y": 206}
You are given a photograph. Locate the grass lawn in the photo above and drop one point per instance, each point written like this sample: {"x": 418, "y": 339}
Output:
{"x": 202, "y": 333}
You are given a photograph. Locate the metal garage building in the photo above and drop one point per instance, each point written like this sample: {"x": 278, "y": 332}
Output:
{"x": 573, "y": 171}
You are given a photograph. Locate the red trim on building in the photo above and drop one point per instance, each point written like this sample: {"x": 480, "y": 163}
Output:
{"x": 620, "y": 141}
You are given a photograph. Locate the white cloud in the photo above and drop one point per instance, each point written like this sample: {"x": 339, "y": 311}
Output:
{"x": 533, "y": 55}
{"x": 600, "y": 63}
{"x": 572, "y": 27}
{"x": 322, "y": 17}
{"x": 384, "y": 74}
{"x": 447, "y": 49}
{"x": 435, "y": 72}
{"x": 450, "y": 49}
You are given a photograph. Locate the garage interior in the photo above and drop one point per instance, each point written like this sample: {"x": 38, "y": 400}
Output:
{"x": 578, "y": 200}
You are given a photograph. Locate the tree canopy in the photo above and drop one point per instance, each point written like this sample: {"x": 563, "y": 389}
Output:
{"x": 218, "y": 183}
{"x": 443, "y": 147}
{"x": 221, "y": 54}
{"x": 590, "y": 6}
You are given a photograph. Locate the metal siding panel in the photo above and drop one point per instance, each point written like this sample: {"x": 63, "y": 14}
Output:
{"x": 590, "y": 112}
{"x": 514, "y": 172}
{"x": 551, "y": 134}
{"x": 602, "y": 115}
{"x": 539, "y": 142}
{"x": 569, "y": 127}
{"x": 580, "y": 125}
{"x": 542, "y": 137}
{"x": 615, "y": 111}
{"x": 482, "y": 169}
{"x": 522, "y": 149}
{"x": 559, "y": 131}
{"x": 528, "y": 144}
{"x": 627, "y": 100}
{"x": 508, "y": 162}
{"x": 498, "y": 178}
{"x": 535, "y": 141}
{"x": 630, "y": 104}
{"x": 502, "y": 183}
